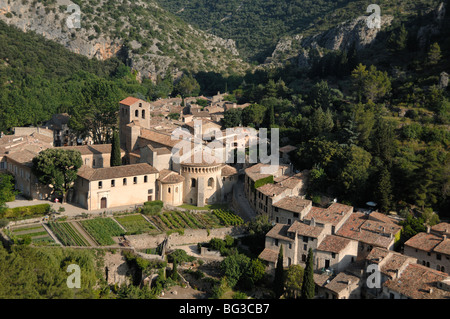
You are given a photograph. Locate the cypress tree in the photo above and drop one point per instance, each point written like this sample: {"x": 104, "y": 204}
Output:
{"x": 278, "y": 282}
{"x": 308, "y": 286}
{"x": 116, "y": 157}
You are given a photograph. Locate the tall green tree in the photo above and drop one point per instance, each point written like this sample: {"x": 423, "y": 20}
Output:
{"x": 398, "y": 39}
{"x": 278, "y": 282}
{"x": 383, "y": 191}
{"x": 434, "y": 54}
{"x": 116, "y": 156}
{"x": 293, "y": 282}
{"x": 57, "y": 168}
{"x": 95, "y": 112}
{"x": 308, "y": 285}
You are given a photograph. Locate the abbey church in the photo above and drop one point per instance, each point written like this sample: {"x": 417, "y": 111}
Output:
{"x": 151, "y": 171}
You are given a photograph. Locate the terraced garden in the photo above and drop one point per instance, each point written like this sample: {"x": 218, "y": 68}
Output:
{"x": 102, "y": 230}
{"x": 67, "y": 234}
{"x": 37, "y": 233}
{"x": 179, "y": 220}
{"x": 135, "y": 224}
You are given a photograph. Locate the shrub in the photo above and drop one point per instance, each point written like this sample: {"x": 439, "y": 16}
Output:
{"x": 19, "y": 213}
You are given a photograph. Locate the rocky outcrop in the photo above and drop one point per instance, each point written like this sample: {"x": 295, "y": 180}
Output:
{"x": 354, "y": 33}
{"x": 432, "y": 29}
{"x": 151, "y": 55}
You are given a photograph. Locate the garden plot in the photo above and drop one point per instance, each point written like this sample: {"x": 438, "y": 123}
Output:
{"x": 135, "y": 224}
{"x": 67, "y": 234}
{"x": 102, "y": 230}
{"x": 36, "y": 232}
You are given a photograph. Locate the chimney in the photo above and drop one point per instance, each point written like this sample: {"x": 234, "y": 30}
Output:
{"x": 428, "y": 229}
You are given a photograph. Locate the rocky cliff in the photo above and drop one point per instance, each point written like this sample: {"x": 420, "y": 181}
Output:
{"x": 153, "y": 40}
{"x": 354, "y": 33}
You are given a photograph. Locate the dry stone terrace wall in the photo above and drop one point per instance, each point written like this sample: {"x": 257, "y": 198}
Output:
{"x": 190, "y": 236}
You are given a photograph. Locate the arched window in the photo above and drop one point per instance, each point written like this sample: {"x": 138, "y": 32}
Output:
{"x": 136, "y": 113}
{"x": 168, "y": 190}
{"x": 211, "y": 182}
{"x": 143, "y": 114}
{"x": 193, "y": 182}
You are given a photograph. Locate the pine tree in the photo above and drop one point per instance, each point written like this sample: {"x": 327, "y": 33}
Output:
{"x": 434, "y": 54}
{"x": 174, "y": 275}
{"x": 278, "y": 282}
{"x": 116, "y": 157}
{"x": 308, "y": 286}
{"x": 384, "y": 189}
{"x": 398, "y": 40}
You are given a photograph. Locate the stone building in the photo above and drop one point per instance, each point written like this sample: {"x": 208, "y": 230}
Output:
{"x": 431, "y": 249}
{"x": 103, "y": 188}
{"x": 183, "y": 178}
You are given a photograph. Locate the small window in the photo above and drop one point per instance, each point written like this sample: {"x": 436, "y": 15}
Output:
{"x": 150, "y": 191}
{"x": 333, "y": 255}
{"x": 193, "y": 182}
{"x": 296, "y": 215}
{"x": 305, "y": 247}
{"x": 211, "y": 182}
{"x": 100, "y": 184}
{"x": 276, "y": 242}
{"x": 277, "y": 220}
{"x": 136, "y": 113}
{"x": 145, "y": 179}
{"x": 143, "y": 114}
{"x": 438, "y": 256}
{"x": 93, "y": 163}
{"x": 276, "y": 209}
{"x": 289, "y": 221}
{"x": 124, "y": 181}
{"x": 168, "y": 190}
{"x": 134, "y": 180}
{"x": 113, "y": 183}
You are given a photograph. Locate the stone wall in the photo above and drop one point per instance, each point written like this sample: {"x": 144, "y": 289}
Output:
{"x": 190, "y": 236}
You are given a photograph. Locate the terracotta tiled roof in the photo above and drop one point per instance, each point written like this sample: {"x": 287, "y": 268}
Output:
{"x": 170, "y": 177}
{"x": 279, "y": 231}
{"x": 305, "y": 230}
{"x": 129, "y": 101}
{"x": 158, "y": 137}
{"x": 424, "y": 241}
{"x": 272, "y": 189}
{"x": 441, "y": 228}
{"x": 333, "y": 214}
{"x": 91, "y": 149}
{"x": 269, "y": 255}
{"x": 353, "y": 229}
{"x": 334, "y": 244}
{"x": 228, "y": 170}
{"x": 419, "y": 282}
{"x": 443, "y": 247}
{"x": 293, "y": 204}
{"x": 341, "y": 282}
{"x": 382, "y": 218}
{"x": 98, "y": 174}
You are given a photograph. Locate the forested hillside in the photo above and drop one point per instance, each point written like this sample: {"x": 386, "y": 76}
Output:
{"x": 370, "y": 125}
{"x": 257, "y": 25}
{"x": 144, "y": 35}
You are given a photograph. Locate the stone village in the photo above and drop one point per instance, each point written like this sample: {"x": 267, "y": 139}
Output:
{"x": 345, "y": 240}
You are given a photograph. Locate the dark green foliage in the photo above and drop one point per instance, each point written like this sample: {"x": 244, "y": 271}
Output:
{"x": 25, "y": 212}
{"x": 7, "y": 191}
{"x": 232, "y": 118}
{"x": 40, "y": 273}
{"x": 278, "y": 281}
{"x": 179, "y": 255}
{"x": 308, "y": 285}
{"x": 116, "y": 157}
{"x": 263, "y": 181}
{"x": 57, "y": 167}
